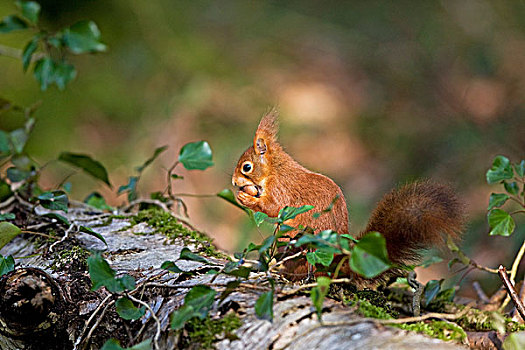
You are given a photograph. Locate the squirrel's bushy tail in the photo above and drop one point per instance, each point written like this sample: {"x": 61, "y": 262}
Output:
{"x": 415, "y": 217}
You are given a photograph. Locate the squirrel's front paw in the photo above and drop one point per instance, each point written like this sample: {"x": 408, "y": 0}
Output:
{"x": 247, "y": 200}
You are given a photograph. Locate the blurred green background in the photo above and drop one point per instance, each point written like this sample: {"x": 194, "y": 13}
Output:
{"x": 373, "y": 94}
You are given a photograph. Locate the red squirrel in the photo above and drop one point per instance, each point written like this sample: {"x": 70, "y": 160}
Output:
{"x": 411, "y": 218}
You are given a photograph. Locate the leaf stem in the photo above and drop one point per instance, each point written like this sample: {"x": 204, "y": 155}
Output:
{"x": 513, "y": 272}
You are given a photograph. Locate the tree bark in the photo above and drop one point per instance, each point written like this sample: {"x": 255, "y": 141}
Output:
{"x": 41, "y": 307}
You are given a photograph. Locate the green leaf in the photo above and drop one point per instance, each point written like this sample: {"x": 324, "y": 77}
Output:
{"x": 28, "y": 52}
{"x": 54, "y": 200}
{"x": 288, "y": 213}
{"x": 267, "y": 243}
{"x": 227, "y": 195}
{"x": 501, "y": 170}
{"x": 230, "y": 288}
{"x": 11, "y": 23}
{"x": 323, "y": 256}
{"x": 16, "y": 175}
{"x": 259, "y": 218}
{"x": 520, "y": 168}
{"x": 196, "y": 155}
{"x": 171, "y": 266}
{"x": 197, "y": 303}
{"x": 102, "y": 275}
{"x": 5, "y": 191}
{"x": 63, "y": 74}
{"x": 497, "y": 200}
{"x": 30, "y": 10}
{"x": 514, "y": 341}
{"x": 157, "y": 152}
{"x": 89, "y": 231}
{"x": 7, "y": 264}
{"x": 511, "y": 187}
{"x": 4, "y": 144}
{"x": 44, "y": 72}
{"x": 130, "y": 187}
{"x": 501, "y": 223}
{"x": 18, "y": 139}
{"x": 233, "y": 268}
{"x": 7, "y": 216}
{"x": 58, "y": 218}
{"x": 369, "y": 256}
{"x": 127, "y": 310}
{"x": 82, "y": 37}
{"x": 113, "y": 344}
{"x": 264, "y": 306}
{"x": 432, "y": 289}
{"x": 431, "y": 260}
{"x": 186, "y": 254}
{"x": 86, "y": 164}
{"x": 8, "y": 231}
{"x": 318, "y": 293}
{"x": 96, "y": 200}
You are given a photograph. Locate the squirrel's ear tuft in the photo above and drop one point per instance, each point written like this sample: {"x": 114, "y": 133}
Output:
{"x": 266, "y": 133}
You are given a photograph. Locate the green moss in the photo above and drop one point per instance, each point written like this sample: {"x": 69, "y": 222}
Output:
{"x": 70, "y": 259}
{"x": 206, "y": 332}
{"x": 368, "y": 309}
{"x": 436, "y": 329}
{"x": 109, "y": 220}
{"x": 164, "y": 223}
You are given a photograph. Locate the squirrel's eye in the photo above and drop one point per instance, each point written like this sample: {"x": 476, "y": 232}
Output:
{"x": 247, "y": 167}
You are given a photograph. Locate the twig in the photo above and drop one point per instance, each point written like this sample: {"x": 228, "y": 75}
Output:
{"x": 511, "y": 291}
{"x": 157, "y": 333}
{"x": 79, "y": 339}
{"x": 484, "y": 268}
{"x": 40, "y": 234}
{"x": 66, "y": 236}
{"x": 513, "y": 272}
{"x": 88, "y": 337}
{"x": 311, "y": 285}
{"x": 156, "y": 202}
{"x": 7, "y": 202}
{"x": 479, "y": 291}
{"x": 280, "y": 262}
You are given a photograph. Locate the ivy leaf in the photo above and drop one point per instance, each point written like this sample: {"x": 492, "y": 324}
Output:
{"x": 30, "y": 10}
{"x": 288, "y": 213}
{"x": 514, "y": 341}
{"x": 7, "y": 264}
{"x": 501, "y": 223}
{"x": 63, "y": 74}
{"x": 130, "y": 187}
{"x": 102, "y": 275}
{"x": 267, "y": 243}
{"x": 259, "y": 218}
{"x": 7, "y": 216}
{"x": 197, "y": 303}
{"x": 234, "y": 269}
{"x": 86, "y": 164}
{"x": 90, "y": 232}
{"x": 318, "y": 293}
{"x": 501, "y": 170}
{"x": 54, "y": 200}
{"x": 264, "y": 306}
{"x": 113, "y": 344}
{"x": 186, "y": 254}
{"x": 82, "y": 37}
{"x": 230, "y": 288}
{"x": 57, "y": 217}
{"x": 227, "y": 195}
{"x": 12, "y": 23}
{"x": 18, "y": 139}
{"x": 497, "y": 200}
{"x": 511, "y": 187}
{"x": 432, "y": 289}
{"x": 196, "y": 155}
{"x": 17, "y": 175}
{"x": 171, "y": 266}
{"x": 127, "y": 310}
{"x": 8, "y": 231}
{"x": 369, "y": 256}
{"x": 44, "y": 72}
{"x": 321, "y": 256}
{"x": 150, "y": 160}
{"x": 28, "y": 52}
{"x": 4, "y": 144}
{"x": 96, "y": 200}
{"x": 520, "y": 168}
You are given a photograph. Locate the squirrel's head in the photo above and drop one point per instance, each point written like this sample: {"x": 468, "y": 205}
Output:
{"x": 255, "y": 165}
